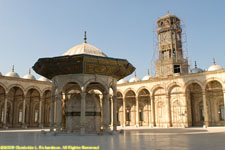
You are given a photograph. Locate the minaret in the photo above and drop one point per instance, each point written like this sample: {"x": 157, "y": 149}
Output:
{"x": 170, "y": 59}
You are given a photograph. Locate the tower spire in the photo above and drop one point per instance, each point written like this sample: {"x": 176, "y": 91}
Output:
{"x": 214, "y": 61}
{"x": 13, "y": 68}
{"x": 195, "y": 64}
{"x": 85, "y": 36}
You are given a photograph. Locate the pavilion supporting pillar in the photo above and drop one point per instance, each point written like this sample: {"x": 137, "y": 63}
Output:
{"x": 114, "y": 112}
{"x": 124, "y": 111}
{"x": 5, "y": 111}
{"x": 111, "y": 112}
{"x": 82, "y": 114}
{"x": 24, "y": 113}
{"x": 224, "y": 101}
{"x": 137, "y": 112}
{"x": 206, "y": 115}
{"x": 106, "y": 112}
{"x": 52, "y": 109}
{"x": 152, "y": 111}
{"x": 169, "y": 123}
{"x": 40, "y": 111}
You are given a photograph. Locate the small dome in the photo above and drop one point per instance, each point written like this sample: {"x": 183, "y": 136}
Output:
{"x": 29, "y": 76}
{"x": 214, "y": 67}
{"x": 147, "y": 77}
{"x": 12, "y": 74}
{"x": 134, "y": 79}
{"x": 85, "y": 48}
{"x": 121, "y": 81}
{"x": 196, "y": 69}
{"x": 44, "y": 79}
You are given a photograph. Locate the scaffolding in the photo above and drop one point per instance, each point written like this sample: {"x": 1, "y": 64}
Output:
{"x": 155, "y": 55}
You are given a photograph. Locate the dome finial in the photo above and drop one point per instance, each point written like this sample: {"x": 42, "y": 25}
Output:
{"x": 13, "y": 68}
{"x": 29, "y": 71}
{"x": 168, "y": 12}
{"x": 135, "y": 73}
{"x": 214, "y": 61}
{"x": 148, "y": 71}
{"x": 195, "y": 64}
{"x": 85, "y": 36}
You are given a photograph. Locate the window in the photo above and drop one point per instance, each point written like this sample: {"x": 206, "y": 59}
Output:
{"x": 2, "y": 115}
{"x": 202, "y": 118}
{"x": 20, "y": 116}
{"x": 128, "y": 115}
{"x": 36, "y": 116}
{"x": 176, "y": 68}
{"x": 222, "y": 113}
{"x": 141, "y": 115}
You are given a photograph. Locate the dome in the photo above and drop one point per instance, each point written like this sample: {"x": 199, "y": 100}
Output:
{"x": 214, "y": 67}
{"x": 44, "y": 79}
{"x": 147, "y": 77}
{"x": 12, "y": 74}
{"x": 134, "y": 79}
{"x": 85, "y": 48}
{"x": 121, "y": 81}
{"x": 196, "y": 69}
{"x": 29, "y": 76}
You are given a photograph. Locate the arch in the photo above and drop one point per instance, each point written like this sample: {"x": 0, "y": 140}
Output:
{"x": 191, "y": 82}
{"x": 66, "y": 81}
{"x": 32, "y": 87}
{"x": 120, "y": 94}
{"x": 96, "y": 80}
{"x": 142, "y": 88}
{"x": 16, "y": 85}
{"x": 155, "y": 88}
{"x": 129, "y": 89}
{"x": 3, "y": 86}
{"x": 172, "y": 85}
{"x": 213, "y": 79}
{"x": 44, "y": 90}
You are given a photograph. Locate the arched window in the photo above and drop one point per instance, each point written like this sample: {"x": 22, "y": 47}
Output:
{"x": 141, "y": 115}
{"x": 128, "y": 115}
{"x": 202, "y": 113}
{"x": 222, "y": 112}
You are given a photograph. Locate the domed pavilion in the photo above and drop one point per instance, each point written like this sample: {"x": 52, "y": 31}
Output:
{"x": 83, "y": 85}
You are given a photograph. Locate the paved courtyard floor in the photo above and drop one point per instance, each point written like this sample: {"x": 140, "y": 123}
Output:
{"x": 130, "y": 139}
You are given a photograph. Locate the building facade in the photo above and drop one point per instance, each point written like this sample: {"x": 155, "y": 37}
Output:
{"x": 175, "y": 97}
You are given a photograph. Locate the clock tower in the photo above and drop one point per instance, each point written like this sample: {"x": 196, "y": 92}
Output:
{"x": 170, "y": 60}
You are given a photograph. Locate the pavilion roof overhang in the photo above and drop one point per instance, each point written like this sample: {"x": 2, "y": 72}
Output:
{"x": 83, "y": 64}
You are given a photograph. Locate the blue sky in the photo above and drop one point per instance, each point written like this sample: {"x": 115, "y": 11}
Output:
{"x": 120, "y": 28}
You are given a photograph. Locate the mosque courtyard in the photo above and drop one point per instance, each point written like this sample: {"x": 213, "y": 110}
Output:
{"x": 128, "y": 139}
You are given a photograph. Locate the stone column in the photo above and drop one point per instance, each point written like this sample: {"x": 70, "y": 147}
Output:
{"x": 82, "y": 114}
{"x": 168, "y": 111}
{"x": 58, "y": 111}
{"x": 114, "y": 112}
{"x": 149, "y": 112}
{"x": 5, "y": 111}
{"x": 52, "y": 109}
{"x": 124, "y": 111}
{"x": 137, "y": 111}
{"x": 152, "y": 111}
{"x": 185, "y": 111}
{"x": 106, "y": 112}
{"x": 40, "y": 111}
{"x": 24, "y": 112}
{"x": 205, "y": 106}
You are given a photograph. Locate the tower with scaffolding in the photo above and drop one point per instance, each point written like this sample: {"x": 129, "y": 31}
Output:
{"x": 170, "y": 54}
